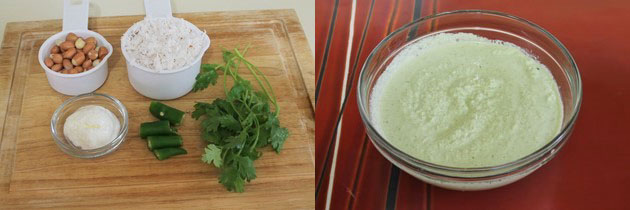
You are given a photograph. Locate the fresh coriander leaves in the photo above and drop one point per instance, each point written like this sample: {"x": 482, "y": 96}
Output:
{"x": 207, "y": 75}
{"x": 235, "y": 127}
{"x": 212, "y": 155}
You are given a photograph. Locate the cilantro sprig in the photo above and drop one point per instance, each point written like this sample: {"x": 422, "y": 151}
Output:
{"x": 235, "y": 127}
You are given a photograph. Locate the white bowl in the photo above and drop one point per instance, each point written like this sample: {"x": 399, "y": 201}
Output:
{"x": 75, "y": 84}
{"x": 163, "y": 85}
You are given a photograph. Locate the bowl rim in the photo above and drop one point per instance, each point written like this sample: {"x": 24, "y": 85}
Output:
{"x": 133, "y": 62}
{"x": 113, "y": 145}
{"x": 559, "y": 138}
{"x": 84, "y": 73}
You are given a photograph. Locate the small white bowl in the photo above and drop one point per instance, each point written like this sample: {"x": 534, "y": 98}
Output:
{"x": 163, "y": 85}
{"x": 75, "y": 84}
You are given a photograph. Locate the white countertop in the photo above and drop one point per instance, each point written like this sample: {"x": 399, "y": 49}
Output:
{"x": 27, "y": 10}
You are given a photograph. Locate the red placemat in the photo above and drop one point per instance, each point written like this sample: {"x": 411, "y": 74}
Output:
{"x": 591, "y": 172}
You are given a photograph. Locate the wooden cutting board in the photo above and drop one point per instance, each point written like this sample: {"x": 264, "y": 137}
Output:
{"x": 34, "y": 172}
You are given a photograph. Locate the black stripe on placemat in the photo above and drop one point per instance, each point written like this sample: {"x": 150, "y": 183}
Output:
{"x": 416, "y": 15}
{"x": 391, "y": 19}
{"x": 392, "y": 190}
{"x": 325, "y": 59}
{"x": 428, "y": 191}
{"x": 356, "y": 176}
{"x": 319, "y": 83}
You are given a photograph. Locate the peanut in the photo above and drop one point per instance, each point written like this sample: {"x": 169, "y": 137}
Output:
{"x": 92, "y": 54}
{"x": 58, "y": 42}
{"x": 102, "y": 52}
{"x": 56, "y": 67}
{"x": 79, "y": 43}
{"x": 91, "y": 40}
{"x": 73, "y": 71}
{"x": 69, "y": 53}
{"x": 88, "y": 47}
{"x": 78, "y": 69}
{"x": 57, "y": 58}
{"x": 71, "y": 37}
{"x": 78, "y": 59}
{"x": 49, "y": 62}
{"x": 96, "y": 62}
{"x": 67, "y": 64}
{"x": 87, "y": 64}
{"x": 55, "y": 49}
{"x": 66, "y": 45}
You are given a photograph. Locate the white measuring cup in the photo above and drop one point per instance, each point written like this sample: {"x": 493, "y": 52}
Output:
{"x": 162, "y": 85}
{"x": 75, "y": 20}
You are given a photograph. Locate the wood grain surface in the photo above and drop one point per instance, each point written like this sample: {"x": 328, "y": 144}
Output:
{"x": 592, "y": 171}
{"x": 34, "y": 172}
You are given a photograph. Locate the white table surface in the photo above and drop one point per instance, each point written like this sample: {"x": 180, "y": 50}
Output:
{"x": 27, "y": 10}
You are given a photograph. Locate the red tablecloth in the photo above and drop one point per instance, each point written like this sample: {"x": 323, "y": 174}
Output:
{"x": 591, "y": 172}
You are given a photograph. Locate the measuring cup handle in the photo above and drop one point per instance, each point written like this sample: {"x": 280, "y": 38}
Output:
{"x": 75, "y": 16}
{"x": 158, "y": 8}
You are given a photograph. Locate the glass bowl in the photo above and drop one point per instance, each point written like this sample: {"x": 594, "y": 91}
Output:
{"x": 70, "y": 106}
{"x": 492, "y": 25}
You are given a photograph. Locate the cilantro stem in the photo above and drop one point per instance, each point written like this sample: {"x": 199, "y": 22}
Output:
{"x": 253, "y": 69}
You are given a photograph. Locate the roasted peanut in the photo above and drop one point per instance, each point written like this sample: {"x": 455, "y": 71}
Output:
{"x": 69, "y": 53}
{"x": 91, "y": 40}
{"x": 67, "y": 64}
{"x": 73, "y": 71}
{"x": 56, "y": 67}
{"x": 58, "y": 42}
{"x": 102, "y": 52}
{"x": 87, "y": 64}
{"x": 92, "y": 54}
{"x": 49, "y": 62}
{"x": 78, "y": 59}
{"x": 66, "y": 45}
{"x": 78, "y": 69}
{"x": 57, "y": 58}
{"x": 71, "y": 37}
{"x": 88, "y": 47}
{"x": 79, "y": 44}
{"x": 96, "y": 62}
{"x": 55, "y": 49}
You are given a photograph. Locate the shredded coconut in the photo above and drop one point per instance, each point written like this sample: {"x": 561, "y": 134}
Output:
{"x": 163, "y": 44}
